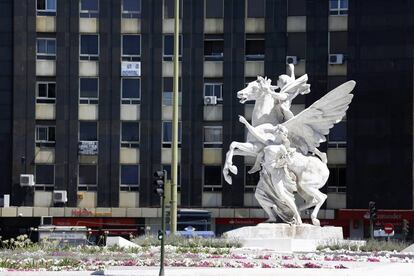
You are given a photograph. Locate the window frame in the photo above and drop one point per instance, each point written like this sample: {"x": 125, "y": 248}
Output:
{"x": 79, "y": 130}
{"x": 247, "y": 9}
{"x": 255, "y": 57}
{"x": 47, "y": 11}
{"x": 214, "y": 144}
{"x": 91, "y": 57}
{"x": 88, "y": 186}
{"x": 42, "y": 186}
{"x": 45, "y": 56}
{"x": 46, "y": 99}
{"x": 213, "y": 57}
{"x": 214, "y": 84}
{"x": 129, "y": 187}
{"x": 338, "y": 11}
{"x": 88, "y": 13}
{"x": 336, "y": 189}
{"x": 212, "y": 187}
{"x": 131, "y": 14}
{"x": 48, "y": 142}
{"x": 130, "y": 100}
{"x": 130, "y": 144}
{"x": 168, "y": 144}
{"x": 180, "y": 51}
{"x": 205, "y": 10}
{"x": 125, "y": 57}
{"x": 88, "y": 100}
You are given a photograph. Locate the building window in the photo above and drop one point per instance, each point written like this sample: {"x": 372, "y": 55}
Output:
{"x": 88, "y": 90}
{"x": 338, "y": 7}
{"x": 214, "y": 89}
{"x": 337, "y": 136}
{"x": 46, "y": 92}
{"x": 45, "y": 136}
{"x": 296, "y": 7}
{"x": 167, "y": 94}
{"x": 212, "y": 176}
{"x": 129, "y": 177}
{"x": 338, "y": 42}
{"x": 255, "y": 8}
{"x": 296, "y": 45}
{"x": 88, "y": 177}
{"x": 88, "y": 131}
{"x": 250, "y": 180}
{"x": 46, "y": 48}
{"x": 130, "y": 134}
{"x": 213, "y": 136}
{"x": 44, "y": 176}
{"x": 167, "y": 134}
{"x": 169, "y": 47}
{"x": 131, "y": 90}
{"x": 255, "y": 49}
{"x": 214, "y": 8}
{"x": 169, "y": 173}
{"x": 46, "y": 7}
{"x": 213, "y": 48}
{"x": 131, "y": 47}
{"x": 169, "y": 8}
{"x": 337, "y": 180}
{"x": 89, "y": 8}
{"x": 89, "y": 47}
{"x": 131, "y": 8}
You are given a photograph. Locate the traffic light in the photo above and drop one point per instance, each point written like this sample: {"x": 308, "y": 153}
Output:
{"x": 405, "y": 227}
{"x": 160, "y": 234}
{"x": 372, "y": 210}
{"x": 159, "y": 180}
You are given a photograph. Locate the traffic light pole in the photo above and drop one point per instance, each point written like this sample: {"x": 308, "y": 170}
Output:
{"x": 163, "y": 235}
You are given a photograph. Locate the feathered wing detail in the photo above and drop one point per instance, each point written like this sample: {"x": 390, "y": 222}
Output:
{"x": 308, "y": 129}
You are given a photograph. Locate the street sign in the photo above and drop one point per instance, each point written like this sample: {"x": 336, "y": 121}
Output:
{"x": 388, "y": 228}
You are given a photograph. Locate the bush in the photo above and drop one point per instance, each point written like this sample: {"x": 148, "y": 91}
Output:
{"x": 377, "y": 245}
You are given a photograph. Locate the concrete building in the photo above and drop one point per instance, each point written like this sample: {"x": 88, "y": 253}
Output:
{"x": 86, "y": 103}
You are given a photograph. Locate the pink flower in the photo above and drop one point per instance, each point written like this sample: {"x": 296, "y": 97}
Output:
{"x": 340, "y": 266}
{"x": 311, "y": 265}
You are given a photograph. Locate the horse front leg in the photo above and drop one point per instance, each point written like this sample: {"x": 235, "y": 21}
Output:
{"x": 236, "y": 148}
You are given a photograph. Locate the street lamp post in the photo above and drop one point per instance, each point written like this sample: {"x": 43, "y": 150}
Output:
{"x": 174, "y": 161}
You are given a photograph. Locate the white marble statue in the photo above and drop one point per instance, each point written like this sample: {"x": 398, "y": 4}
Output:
{"x": 285, "y": 146}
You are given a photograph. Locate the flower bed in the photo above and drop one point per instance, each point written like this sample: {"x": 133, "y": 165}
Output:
{"x": 23, "y": 255}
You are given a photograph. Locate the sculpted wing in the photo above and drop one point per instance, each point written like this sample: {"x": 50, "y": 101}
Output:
{"x": 308, "y": 129}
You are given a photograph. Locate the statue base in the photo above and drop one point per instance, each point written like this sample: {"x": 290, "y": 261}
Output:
{"x": 283, "y": 237}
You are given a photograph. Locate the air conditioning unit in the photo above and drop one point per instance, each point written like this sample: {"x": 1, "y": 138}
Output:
{"x": 210, "y": 100}
{"x": 46, "y": 220}
{"x": 291, "y": 59}
{"x": 336, "y": 59}
{"x": 60, "y": 196}
{"x": 27, "y": 180}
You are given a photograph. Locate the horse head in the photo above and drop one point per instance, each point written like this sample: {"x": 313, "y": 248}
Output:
{"x": 255, "y": 89}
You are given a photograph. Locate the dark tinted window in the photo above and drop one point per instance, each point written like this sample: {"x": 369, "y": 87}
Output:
{"x": 214, "y": 8}
{"x": 255, "y": 49}
{"x": 255, "y": 8}
{"x": 169, "y": 45}
{"x": 338, "y": 42}
{"x": 296, "y": 7}
{"x": 169, "y": 8}
{"x": 131, "y": 88}
{"x": 45, "y": 174}
{"x": 337, "y": 177}
{"x": 169, "y": 173}
{"x": 338, "y": 132}
{"x": 87, "y": 175}
{"x": 89, "y": 44}
{"x": 213, "y": 48}
{"x": 130, "y": 175}
{"x": 296, "y": 45}
{"x": 251, "y": 179}
{"x": 167, "y": 132}
{"x": 88, "y": 87}
{"x": 131, "y": 45}
{"x": 131, "y": 5}
{"x": 88, "y": 131}
{"x": 212, "y": 176}
{"x": 89, "y": 5}
{"x": 130, "y": 131}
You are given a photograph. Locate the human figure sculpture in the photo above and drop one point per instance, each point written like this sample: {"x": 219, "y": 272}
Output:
{"x": 285, "y": 147}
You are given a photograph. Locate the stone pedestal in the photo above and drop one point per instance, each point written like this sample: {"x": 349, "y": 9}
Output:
{"x": 286, "y": 238}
